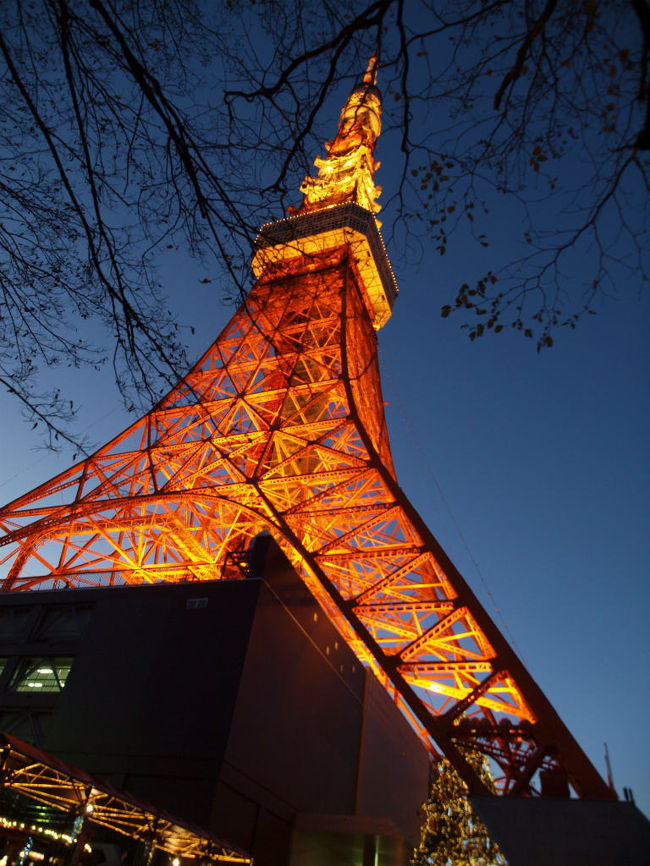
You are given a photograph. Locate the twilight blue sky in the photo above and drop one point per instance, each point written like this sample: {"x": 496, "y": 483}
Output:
{"x": 532, "y": 471}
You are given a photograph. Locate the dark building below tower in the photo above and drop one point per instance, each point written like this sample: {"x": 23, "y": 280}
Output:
{"x": 233, "y": 704}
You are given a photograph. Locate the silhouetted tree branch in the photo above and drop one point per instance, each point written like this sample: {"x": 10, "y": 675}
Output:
{"x": 129, "y": 128}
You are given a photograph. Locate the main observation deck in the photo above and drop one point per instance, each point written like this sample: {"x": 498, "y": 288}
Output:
{"x": 325, "y": 230}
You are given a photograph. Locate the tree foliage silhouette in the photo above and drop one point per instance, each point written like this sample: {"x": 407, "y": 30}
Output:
{"x": 130, "y": 128}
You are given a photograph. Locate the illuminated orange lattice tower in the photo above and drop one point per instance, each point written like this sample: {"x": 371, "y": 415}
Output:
{"x": 280, "y": 427}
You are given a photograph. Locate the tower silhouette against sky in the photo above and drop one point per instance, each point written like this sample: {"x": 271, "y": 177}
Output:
{"x": 280, "y": 428}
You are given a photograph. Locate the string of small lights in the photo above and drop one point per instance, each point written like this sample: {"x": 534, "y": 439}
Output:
{"x": 35, "y": 776}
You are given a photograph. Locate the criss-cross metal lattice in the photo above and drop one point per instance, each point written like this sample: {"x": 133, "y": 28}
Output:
{"x": 280, "y": 427}
{"x": 39, "y": 778}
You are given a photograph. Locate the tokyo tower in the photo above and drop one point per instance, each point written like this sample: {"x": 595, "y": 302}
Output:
{"x": 279, "y": 428}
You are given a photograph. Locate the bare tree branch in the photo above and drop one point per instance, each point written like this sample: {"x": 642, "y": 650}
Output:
{"x": 128, "y": 129}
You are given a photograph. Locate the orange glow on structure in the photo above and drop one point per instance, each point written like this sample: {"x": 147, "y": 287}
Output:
{"x": 347, "y": 174}
{"x": 280, "y": 427}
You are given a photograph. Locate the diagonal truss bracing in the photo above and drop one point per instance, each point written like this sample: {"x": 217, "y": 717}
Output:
{"x": 280, "y": 427}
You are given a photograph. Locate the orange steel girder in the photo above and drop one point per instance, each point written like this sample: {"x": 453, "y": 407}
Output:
{"x": 30, "y": 773}
{"x": 280, "y": 427}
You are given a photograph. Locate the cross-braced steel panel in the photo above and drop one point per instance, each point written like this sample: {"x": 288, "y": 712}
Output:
{"x": 280, "y": 427}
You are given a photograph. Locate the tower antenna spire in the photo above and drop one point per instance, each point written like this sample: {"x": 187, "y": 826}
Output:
{"x": 347, "y": 174}
{"x": 370, "y": 76}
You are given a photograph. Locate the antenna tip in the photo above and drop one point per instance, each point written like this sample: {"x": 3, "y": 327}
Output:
{"x": 371, "y": 72}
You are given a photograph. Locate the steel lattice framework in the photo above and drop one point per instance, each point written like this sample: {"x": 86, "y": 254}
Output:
{"x": 36, "y": 776}
{"x": 280, "y": 427}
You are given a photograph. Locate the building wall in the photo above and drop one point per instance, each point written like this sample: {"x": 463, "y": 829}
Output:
{"x": 233, "y": 704}
{"x": 149, "y": 699}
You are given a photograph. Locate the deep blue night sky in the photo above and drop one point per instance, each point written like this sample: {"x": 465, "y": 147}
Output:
{"x": 531, "y": 469}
